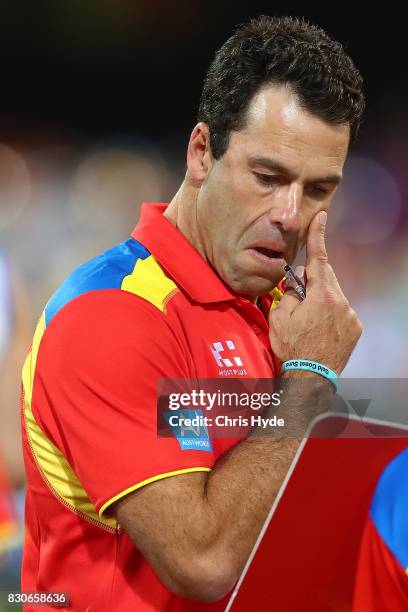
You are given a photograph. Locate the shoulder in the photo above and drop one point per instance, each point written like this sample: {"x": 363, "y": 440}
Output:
{"x": 389, "y": 508}
{"x": 127, "y": 268}
{"x": 114, "y": 303}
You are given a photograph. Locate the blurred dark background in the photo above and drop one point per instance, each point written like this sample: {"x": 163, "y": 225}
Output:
{"x": 97, "y": 67}
{"x": 97, "y": 100}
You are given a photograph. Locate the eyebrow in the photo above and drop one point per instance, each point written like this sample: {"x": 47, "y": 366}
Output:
{"x": 277, "y": 166}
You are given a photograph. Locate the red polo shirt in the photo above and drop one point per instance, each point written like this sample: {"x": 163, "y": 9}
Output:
{"x": 148, "y": 308}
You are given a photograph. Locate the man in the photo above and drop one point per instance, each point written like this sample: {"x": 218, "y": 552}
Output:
{"x": 382, "y": 580}
{"x": 118, "y": 518}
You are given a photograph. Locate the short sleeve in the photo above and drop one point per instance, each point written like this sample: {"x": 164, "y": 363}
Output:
{"x": 95, "y": 393}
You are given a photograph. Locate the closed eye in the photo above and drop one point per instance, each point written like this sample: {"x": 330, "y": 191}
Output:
{"x": 314, "y": 190}
{"x": 318, "y": 191}
{"x": 268, "y": 179}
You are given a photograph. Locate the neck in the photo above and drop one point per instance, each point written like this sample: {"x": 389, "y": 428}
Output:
{"x": 182, "y": 212}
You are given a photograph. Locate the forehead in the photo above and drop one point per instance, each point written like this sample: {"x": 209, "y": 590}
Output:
{"x": 278, "y": 126}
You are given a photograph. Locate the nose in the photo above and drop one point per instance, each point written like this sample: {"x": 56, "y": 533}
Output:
{"x": 286, "y": 208}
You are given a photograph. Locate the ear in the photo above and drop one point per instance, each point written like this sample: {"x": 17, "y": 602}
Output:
{"x": 199, "y": 156}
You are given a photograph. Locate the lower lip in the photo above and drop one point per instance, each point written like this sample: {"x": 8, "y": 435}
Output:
{"x": 270, "y": 261}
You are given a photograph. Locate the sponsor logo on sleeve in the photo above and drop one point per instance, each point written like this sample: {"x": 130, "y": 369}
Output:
{"x": 188, "y": 426}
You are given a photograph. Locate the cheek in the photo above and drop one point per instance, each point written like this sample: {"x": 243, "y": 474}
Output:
{"x": 233, "y": 177}
{"x": 228, "y": 206}
{"x": 302, "y": 235}
{"x": 225, "y": 204}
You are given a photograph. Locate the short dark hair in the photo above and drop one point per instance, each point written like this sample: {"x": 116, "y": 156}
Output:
{"x": 279, "y": 50}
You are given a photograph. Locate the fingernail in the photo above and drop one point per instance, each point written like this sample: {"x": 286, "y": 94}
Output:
{"x": 300, "y": 272}
{"x": 322, "y": 217}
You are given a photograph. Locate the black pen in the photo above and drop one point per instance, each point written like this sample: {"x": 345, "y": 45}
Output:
{"x": 298, "y": 286}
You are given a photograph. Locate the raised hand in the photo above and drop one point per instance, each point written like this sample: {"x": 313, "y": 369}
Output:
{"x": 323, "y": 327}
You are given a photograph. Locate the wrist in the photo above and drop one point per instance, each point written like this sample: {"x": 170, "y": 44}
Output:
{"x": 301, "y": 374}
{"x": 304, "y": 396}
{"x": 314, "y": 367}
{"x": 318, "y": 381}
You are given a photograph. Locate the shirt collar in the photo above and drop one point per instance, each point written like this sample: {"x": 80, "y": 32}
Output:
{"x": 178, "y": 256}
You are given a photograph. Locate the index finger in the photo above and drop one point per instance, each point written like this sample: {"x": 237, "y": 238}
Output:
{"x": 316, "y": 254}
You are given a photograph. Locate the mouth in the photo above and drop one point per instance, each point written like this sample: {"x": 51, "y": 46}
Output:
{"x": 269, "y": 253}
{"x": 270, "y": 260}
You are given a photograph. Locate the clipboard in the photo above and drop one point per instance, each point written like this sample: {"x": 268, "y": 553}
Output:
{"x": 305, "y": 557}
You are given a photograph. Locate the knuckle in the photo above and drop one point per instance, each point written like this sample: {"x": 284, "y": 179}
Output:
{"x": 356, "y": 321}
{"x": 344, "y": 306}
{"x": 329, "y": 294}
{"x": 321, "y": 256}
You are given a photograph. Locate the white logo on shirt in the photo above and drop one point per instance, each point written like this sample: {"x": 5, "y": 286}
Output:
{"x": 226, "y": 359}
